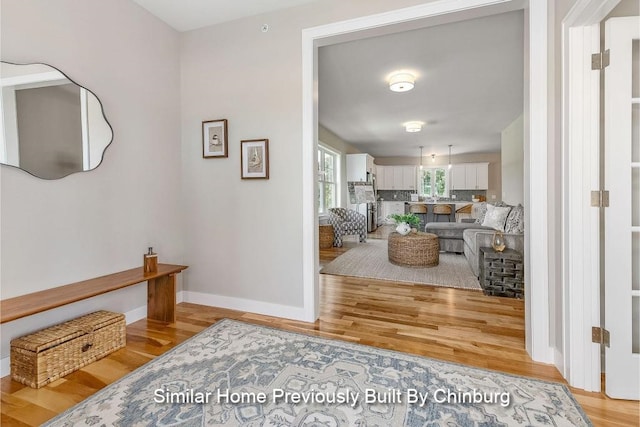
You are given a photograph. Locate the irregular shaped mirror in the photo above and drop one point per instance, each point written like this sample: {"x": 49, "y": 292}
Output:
{"x": 51, "y": 127}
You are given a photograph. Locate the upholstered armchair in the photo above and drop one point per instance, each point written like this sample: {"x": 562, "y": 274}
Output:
{"x": 347, "y": 222}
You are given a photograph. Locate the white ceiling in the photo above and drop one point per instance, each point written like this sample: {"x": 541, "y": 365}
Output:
{"x": 469, "y": 87}
{"x": 185, "y": 15}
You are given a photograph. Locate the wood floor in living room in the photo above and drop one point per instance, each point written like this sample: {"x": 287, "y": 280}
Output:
{"x": 448, "y": 324}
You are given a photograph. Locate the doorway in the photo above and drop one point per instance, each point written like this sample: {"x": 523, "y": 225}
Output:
{"x": 536, "y": 234}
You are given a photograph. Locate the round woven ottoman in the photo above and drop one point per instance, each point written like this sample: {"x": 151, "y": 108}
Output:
{"x": 325, "y": 236}
{"x": 414, "y": 249}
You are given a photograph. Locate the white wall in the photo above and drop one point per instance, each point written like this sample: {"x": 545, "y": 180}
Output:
{"x": 244, "y": 238}
{"x": 99, "y": 222}
{"x": 512, "y": 150}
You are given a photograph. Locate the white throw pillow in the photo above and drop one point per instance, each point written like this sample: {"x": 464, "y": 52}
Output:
{"x": 496, "y": 217}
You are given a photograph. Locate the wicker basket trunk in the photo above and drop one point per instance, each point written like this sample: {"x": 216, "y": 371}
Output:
{"x": 44, "y": 356}
{"x": 326, "y": 236}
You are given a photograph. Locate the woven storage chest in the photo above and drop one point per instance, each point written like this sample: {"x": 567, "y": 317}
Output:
{"x": 44, "y": 356}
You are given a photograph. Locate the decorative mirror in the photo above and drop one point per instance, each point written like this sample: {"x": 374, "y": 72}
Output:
{"x": 51, "y": 127}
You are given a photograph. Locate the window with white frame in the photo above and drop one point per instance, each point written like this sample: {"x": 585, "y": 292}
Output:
{"x": 433, "y": 182}
{"x": 328, "y": 162}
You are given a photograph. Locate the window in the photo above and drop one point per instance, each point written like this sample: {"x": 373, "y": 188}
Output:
{"x": 433, "y": 182}
{"x": 328, "y": 162}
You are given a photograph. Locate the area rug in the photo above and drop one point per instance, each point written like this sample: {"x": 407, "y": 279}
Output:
{"x": 237, "y": 374}
{"x": 371, "y": 260}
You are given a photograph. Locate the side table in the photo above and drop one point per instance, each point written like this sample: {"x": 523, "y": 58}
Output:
{"x": 502, "y": 273}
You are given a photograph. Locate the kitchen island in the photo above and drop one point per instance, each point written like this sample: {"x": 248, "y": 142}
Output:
{"x": 429, "y": 216}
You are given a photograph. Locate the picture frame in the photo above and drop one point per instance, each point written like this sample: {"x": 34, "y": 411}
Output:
{"x": 214, "y": 139}
{"x": 254, "y": 159}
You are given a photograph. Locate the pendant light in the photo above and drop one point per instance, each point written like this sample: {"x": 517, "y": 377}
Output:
{"x": 421, "y": 157}
{"x": 449, "y": 156}
{"x": 433, "y": 158}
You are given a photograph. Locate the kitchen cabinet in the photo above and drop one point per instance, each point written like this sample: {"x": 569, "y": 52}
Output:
{"x": 457, "y": 177}
{"x": 409, "y": 177}
{"x": 477, "y": 176}
{"x": 390, "y": 208}
{"x": 396, "y": 177}
{"x": 359, "y": 166}
{"x": 381, "y": 177}
{"x": 469, "y": 176}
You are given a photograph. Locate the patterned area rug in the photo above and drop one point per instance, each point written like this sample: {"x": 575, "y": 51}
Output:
{"x": 371, "y": 260}
{"x": 237, "y": 374}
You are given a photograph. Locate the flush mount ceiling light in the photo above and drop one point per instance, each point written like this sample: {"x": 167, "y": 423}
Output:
{"x": 401, "y": 82}
{"x": 413, "y": 126}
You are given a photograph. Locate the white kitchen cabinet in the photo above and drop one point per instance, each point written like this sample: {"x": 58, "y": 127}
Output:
{"x": 390, "y": 208}
{"x": 396, "y": 177}
{"x": 457, "y": 177}
{"x": 477, "y": 176}
{"x": 469, "y": 176}
{"x": 408, "y": 177}
{"x": 381, "y": 177}
{"x": 358, "y": 165}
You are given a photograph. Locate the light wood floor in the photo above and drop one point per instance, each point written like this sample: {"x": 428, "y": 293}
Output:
{"x": 447, "y": 324}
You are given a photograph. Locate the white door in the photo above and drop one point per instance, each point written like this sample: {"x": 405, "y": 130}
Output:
{"x": 622, "y": 217}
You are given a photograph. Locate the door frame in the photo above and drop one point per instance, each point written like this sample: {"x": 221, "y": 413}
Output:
{"x": 580, "y": 361}
{"x": 537, "y": 145}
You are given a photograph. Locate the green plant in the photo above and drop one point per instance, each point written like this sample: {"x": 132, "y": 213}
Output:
{"x": 410, "y": 219}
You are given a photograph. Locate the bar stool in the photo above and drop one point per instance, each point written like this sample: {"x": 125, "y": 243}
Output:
{"x": 421, "y": 211}
{"x": 439, "y": 210}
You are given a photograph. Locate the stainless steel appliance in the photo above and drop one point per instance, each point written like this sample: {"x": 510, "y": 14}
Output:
{"x": 372, "y": 217}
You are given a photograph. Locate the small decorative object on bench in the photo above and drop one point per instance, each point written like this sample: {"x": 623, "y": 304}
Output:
{"x": 150, "y": 262}
{"x": 44, "y": 356}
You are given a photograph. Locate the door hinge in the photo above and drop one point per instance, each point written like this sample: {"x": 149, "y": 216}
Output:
{"x": 600, "y": 336}
{"x": 600, "y": 60}
{"x": 600, "y": 199}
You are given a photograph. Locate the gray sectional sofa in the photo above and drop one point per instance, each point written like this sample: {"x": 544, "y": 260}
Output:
{"x": 468, "y": 237}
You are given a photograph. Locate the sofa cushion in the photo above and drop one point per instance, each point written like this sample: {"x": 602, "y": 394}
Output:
{"x": 496, "y": 217}
{"x": 515, "y": 220}
{"x": 478, "y": 211}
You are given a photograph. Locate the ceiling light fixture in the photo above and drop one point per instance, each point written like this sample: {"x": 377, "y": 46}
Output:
{"x": 401, "y": 82}
{"x": 413, "y": 126}
{"x": 421, "y": 157}
{"x": 433, "y": 158}
{"x": 449, "y": 156}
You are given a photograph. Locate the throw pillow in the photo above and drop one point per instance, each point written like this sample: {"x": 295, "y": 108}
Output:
{"x": 478, "y": 211}
{"x": 496, "y": 217}
{"x": 515, "y": 221}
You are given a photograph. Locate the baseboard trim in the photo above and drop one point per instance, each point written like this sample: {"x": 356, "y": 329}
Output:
{"x": 241, "y": 304}
{"x": 130, "y": 316}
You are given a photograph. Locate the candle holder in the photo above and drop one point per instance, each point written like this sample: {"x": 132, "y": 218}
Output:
{"x": 497, "y": 243}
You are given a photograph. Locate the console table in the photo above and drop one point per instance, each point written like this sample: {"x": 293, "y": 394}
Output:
{"x": 161, "y": 293}
{"x": 502, "y": 273}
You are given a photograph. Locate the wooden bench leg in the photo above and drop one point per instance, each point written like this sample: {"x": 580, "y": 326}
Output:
{"x": 161, "y": 298}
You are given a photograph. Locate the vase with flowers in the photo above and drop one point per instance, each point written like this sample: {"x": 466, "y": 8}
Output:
{"x": 405, "y": 222}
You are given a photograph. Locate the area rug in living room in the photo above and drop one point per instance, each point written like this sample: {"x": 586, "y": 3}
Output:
{"x": 371, "y": 260}
{"x": 238, "y": 374}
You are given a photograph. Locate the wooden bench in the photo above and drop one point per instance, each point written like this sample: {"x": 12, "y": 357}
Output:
{"x": 161, "y": 293}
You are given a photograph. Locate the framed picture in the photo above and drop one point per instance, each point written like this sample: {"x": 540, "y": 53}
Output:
{"x": 214, "y": 138}
{"x": 254, "y": 159}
